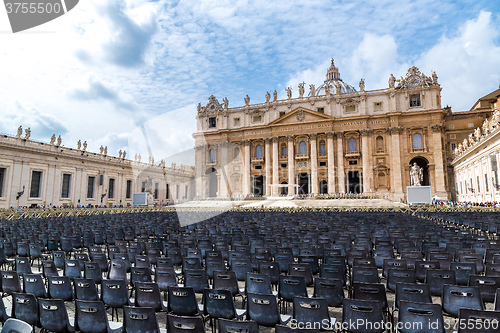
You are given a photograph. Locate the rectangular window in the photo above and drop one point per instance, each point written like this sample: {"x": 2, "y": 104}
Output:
{"x": 282, "y": 113}
{"x": 258, "y": 167}
{"x": 128, "y": 193}
{"x": 283, "y": 151}
{"x": 167, "y": 196}
{"x": 452, "y": 126}
{"x": 471, "y": 125}
{"x": 322, "y": 164}
{"x": 90, "y": 187}
{"x": 101, "y": 180}
{"x": 65, "y": 185}
{"x": 322, "y": 148}
{"x": 478, "y": 185}
{"x": 157, "y": 186}
{"x": 283, "y": 166}
{"x": 321, "y": 110}
{"x": 236, "y": 121}
{"x": 415, "y": 100}
{"x": 453, "y": 146}
{"x": 486, "y": 187}
{"x": 257, "y": 119}
{"x": 111, "y": 188}
{"x": 177, "y": 191}
{"x": 185, "y": 192}
{"x": 377, "y": 106}
{"x": 2, "y": 177}
{"x": 143, "y": 187}
{"x": 36, "y": 181}
{"x": 350, "y": 108}
{"x": 353, "y": 162}
{"x": 212, "y": 122}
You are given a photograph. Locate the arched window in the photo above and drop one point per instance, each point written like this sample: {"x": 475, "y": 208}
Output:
{"x": 258, "y": 151}
{"x": 302, "y": 148}
{"x": 380, "y": 143}
{"x": 283, "y": 150}
{"x": 322, "y": 147}
{"x": 417, "y": 141}
{"x": 352, "y": 145}
{"x": 211, "y": 155}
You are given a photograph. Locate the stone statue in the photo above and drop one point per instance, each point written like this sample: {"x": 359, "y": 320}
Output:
{"x": 495, "y": 118}
{"x": 312, "y": 89}
{"x": 460, "y": 148}
{"x": 465, "y": 143}
{"x": 106, "y": 150}
{"x": 120, "y": 153}
{"x": 485, "y": 127}
{"x": 275, "y": 95}
{"x": 84, "y": 145}
{"x": 327, "y": 88}
{"x": 301, "y": 90}
{"x": 288, "y": 92}
{"x": 268, "y": 96}
{"x": 226, "y": 103}
{"x": 19, "y": 132}
{"x": 362, "y": 84}
{"x": 434, "y": 78}
{"x": 139, "y": 158}
{"x": 27, "y": 133}
{"x": 471, "y": 139}
{"x": 79, "y": 144}
{"x": 392, "y": 81}
{"x": 124, "y": 154}
{"x": 149, "y": 160}
{"x": 59, "y": 140}
{"x": 149, "y": 185}
{"x": 53, "y": 139}
{"x": 477, "y": 133}
{"x": 101, "y": 149}
{"x": 247, "y": 100}
{"x": 416, "y": 175}
{"x": 199, "y": 107}
{"x": 338, "y": 88}
{"x": 135, "y": 157}
{"x": 152, "y": 160}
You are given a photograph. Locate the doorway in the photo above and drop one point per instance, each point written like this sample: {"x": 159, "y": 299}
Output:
{"x": 424, "y": 164}
{"x": 212, "y": 182}
{"x": 258, "y": 186}
{"x": 303, "y": 183}
{"x": 353, "y": 182}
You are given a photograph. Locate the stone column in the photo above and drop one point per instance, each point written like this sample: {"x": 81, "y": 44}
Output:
{"x": 276, "y": 180}
{"x": 291, "y": 166}
{"x": 200, "y": 193}
{"x": 314, "y": 164}
{"x": 223, "y": 193}
{"x": 331, "y": 163}
{"x": 246, "y": 168}
{"x": 367, "y": 159}
{"x": 340, "y": 154}
{"x": 439, "y": 172}
{"x": 268, "y": 167}
{"x": 397, "y": 187}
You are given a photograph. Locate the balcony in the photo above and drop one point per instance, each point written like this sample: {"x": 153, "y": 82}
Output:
{"x": 301, "y": 156}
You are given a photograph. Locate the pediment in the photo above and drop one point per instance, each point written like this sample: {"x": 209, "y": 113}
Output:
{"x": 301, "y": 115}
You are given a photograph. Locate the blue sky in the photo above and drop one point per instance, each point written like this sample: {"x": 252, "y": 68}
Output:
{"x": 107, "y": 67}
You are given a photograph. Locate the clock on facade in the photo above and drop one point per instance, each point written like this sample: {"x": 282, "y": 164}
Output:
{"x": 414, "y": 81}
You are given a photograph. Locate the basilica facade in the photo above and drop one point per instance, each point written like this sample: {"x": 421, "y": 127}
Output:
{"x": 329, "y": 139}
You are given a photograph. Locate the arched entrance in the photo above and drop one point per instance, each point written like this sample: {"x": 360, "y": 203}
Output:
{"x": 303, "y": 183}
{"x": 258, "y": 186}
{"x": 323, "y": 187}
{"x": 211, "y": 182}
{"x": 284, "y": 189}
{"x": 424, "y": 164}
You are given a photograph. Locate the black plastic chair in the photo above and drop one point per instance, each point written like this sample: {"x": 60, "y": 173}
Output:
{"x": 412, "y": 292}
{"x": 165, "y": 277}
{"x": 421, "y": 268}
{"x": 60, "y": 287}
{"x": 33, "y": 284}
{"x": 117, "y": 270}
{"x": 148, "y": 295}
{"x": 258, "y": 284}
{"x": 264, "y": 310}
{"x": 101, "y": 259}
{"x": 25, "y": 308}
{"x": 182, "y": 301}
{"x": 23, "y": 265}
{"x": 396, "y": 275}
{"x": 333, "y": 271}
{"x": 364, "y": 275}
{"x": 241, "y": 267}
{"x": 219, "y": 303}
{"x": 437, "y": 278}
{"x": 10, "y": 282}
{"x": 240, "y": 326}
{"x": 92, "y": 271}
{"x": 488, "y": 286}
{"x": 456, "y": 297}
{"x": 362, "y": 316}
{"x": 85, "y": 290}
{"x": 72, "y": 268}
{"x": 463, "y": 271}
{"x": 227, "y": 280}
{"x": 196, "y": 279}
{"x": 53, "y": 315}
{"x": 49, "y": 269}
{"x": 271, "y": 269}
{"x": 370, "y": 292}
{"x": 289, "y": 287}
{"x": 329, "y": 289}
{"x": 478, "y": 321}
{"x": 59, "y": 258}
{"x": 301, "y": 270}
{"x": 420, "y": 317}
{"x": 114, "y": 294}
{"x": 182, "y": 324}
{"x": 312, "y": 312}
{"x": 140, "y": 320}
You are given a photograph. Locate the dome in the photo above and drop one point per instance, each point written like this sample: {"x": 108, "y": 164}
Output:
{"x": 333, "y": 79}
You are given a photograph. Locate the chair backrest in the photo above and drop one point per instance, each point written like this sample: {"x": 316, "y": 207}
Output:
{"x": 182, "y": 301}
{"x": 488, "y": 286}
{"x": 114, "y": 293}
{"x": 60, "y": 287}
{"x": 142, "y": 261}
{"x": 329, "y": 289}
{"x": 394, "y": 264}
{"x": 412, "y": 292}
{"x": 333, "y": 271}
{"x": 290, "y": 286}
{"x": 370, "y": 292}
{"x": 101, "y": 259}
{"x": 301, "y": 270}
{"x": 196, "y": 279}
{"x": 492, "y": 269}
{"x": 362, "y": 316}
{"x": 49, "y": 268}
{"x": 117, "y": 270}
{"x": 270, "y": 268}
{"x": 10, "y": 282}
{"x": 437, "y": 278}
{"x": 33, "y": 284}
{"x": 72, "y": 268}
{"x": 92, "y": 271}
{"x": 140, "y": 320}
{"x": 364, "y": 275}
{"x": 182, "y": 324}
{"x": 263, "y": 309}
{"x": 85, "y": 289}
{"x": 165, "y": 277}
{"x": 421, "y": 317}
{"x": 396, "y": 275}
{"x": 478, "y": 321}
{"x": 240, "y": 326}
{"x": 53, "y": 315}
{"x": 421, "y": 268}
{"x": 23, "y": 265}
{"x": 90, "y": 317}
{"x": 226, "y": 280}
{"x": 258, "y": 283}
{"x": 147, "y": 294}
{"x": 241, "y": 267}
{"x": 13, "y": 325}
{"x": 25, "y": 308}
{"x": 457, "y": 297}
{"x": 59, "y": 258}
{"x": 140, "y": 274}
{"x": 218, "y": 303}
{"x": 463, "y": 270}
{"x": 313, "y": 311}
